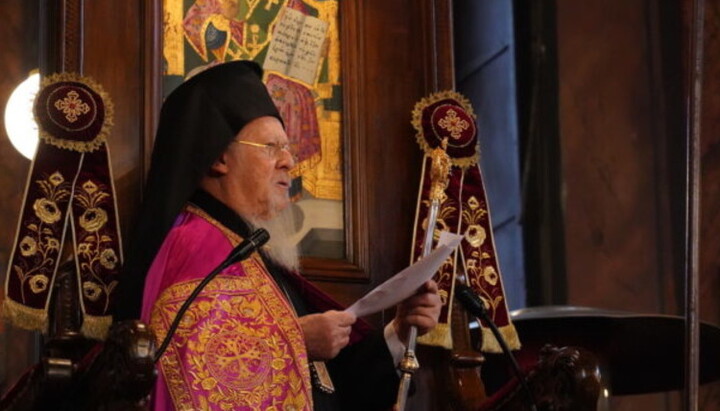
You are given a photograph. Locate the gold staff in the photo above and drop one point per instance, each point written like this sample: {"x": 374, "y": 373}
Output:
{"x": 439, "y": 178}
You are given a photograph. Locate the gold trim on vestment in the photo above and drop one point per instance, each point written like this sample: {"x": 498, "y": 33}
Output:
{"x": 232, "y": 236}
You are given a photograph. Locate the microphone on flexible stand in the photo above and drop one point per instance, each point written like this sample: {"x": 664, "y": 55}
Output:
{"x": 239, "y": 253}
{"x": 472, "y": 303}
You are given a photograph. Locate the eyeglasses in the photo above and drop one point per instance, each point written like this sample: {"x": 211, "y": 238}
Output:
{"x": 274, "y": 150}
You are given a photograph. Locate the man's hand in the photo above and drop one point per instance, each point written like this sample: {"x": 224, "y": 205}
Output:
{"x": 327, "y": 333}
{"x": 421, "y": 310}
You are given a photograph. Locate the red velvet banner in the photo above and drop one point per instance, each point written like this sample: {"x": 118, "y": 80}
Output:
{"x": 463, "y": 210}
{"x": 69, "y": 186}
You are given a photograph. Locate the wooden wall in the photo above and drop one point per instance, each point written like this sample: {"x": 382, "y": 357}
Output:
{"x": 17, "y": 58}
{"x": 710, "y": 189}
{"x": 616, "y": 213}
{"x": 621, "y": 112}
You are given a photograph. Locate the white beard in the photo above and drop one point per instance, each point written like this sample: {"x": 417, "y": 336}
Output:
{"x": 281, "y": 247}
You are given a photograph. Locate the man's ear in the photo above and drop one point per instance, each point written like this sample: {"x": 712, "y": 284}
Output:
{"x": 219, "y": 167}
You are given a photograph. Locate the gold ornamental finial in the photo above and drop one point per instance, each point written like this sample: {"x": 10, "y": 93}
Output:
{"x": 440, "y": 171}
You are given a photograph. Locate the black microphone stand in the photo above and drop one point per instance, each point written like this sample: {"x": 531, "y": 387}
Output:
{"x": 471, "y": 302}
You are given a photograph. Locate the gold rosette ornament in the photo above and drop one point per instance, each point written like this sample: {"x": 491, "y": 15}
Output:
{"x": 445, "y": 121}
{"x": 69, "y": 191}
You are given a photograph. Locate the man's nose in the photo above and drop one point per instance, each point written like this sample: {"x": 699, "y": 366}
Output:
{"x": 287, "y": 159}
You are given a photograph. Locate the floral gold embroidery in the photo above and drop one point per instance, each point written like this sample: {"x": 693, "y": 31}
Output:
{"x": 38, "y": 283}
{"x": 56, "y": 179}
{"x": 454, "y": 124}
{"x": 47, "y": 210}
{"x": 84, "y": 248}
{"x": 96, "y": 252}
{"x": 53, "y": 243}
{"x": 474, "y": 216}
{"x": 475, "y": 235}
{"x": 39, "y": 245}
{"x": 89, "y": 187}
{"x": 93, "y": 219}
{"x": 473, "y": 203}
{"x": 108, "y": 259}
{"x": 28, "y": 246}
{"x": 72, "y": 106}
{"x": 490, "y": 275}
{"x": 91, "y": 291}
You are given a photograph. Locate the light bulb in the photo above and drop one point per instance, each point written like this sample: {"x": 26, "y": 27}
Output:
{"x": 19, "y": 121}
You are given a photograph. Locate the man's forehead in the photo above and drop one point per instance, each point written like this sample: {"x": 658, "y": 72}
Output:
{"x": 264, "y": 129}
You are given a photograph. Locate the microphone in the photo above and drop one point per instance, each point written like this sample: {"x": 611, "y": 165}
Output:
{"x": 239, "y": 253}
{"x": 472, "y": 303}
{"x": 245, "y": 248}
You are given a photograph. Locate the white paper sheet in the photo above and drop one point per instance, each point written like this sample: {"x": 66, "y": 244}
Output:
{"x": 406, "y": 283}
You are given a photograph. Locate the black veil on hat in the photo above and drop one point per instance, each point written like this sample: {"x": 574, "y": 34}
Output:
{"x": 197, "y": 122}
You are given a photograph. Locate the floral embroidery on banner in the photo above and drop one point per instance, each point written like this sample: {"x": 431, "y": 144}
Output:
{"x": 475, "y": 234}
{"x": 95, "y": 249}
{"x": 472, "y": 216}
{"x": 40, "y": 245}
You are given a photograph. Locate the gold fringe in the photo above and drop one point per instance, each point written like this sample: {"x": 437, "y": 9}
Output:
{"x": 491, "y": 345}
{"x": 96, "y": 327}
{"x": 24, "y": 317}
{"x": 440, "y": 336}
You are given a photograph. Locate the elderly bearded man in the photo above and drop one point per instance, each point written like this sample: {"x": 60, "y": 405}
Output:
{"x": 259, "y": 336}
